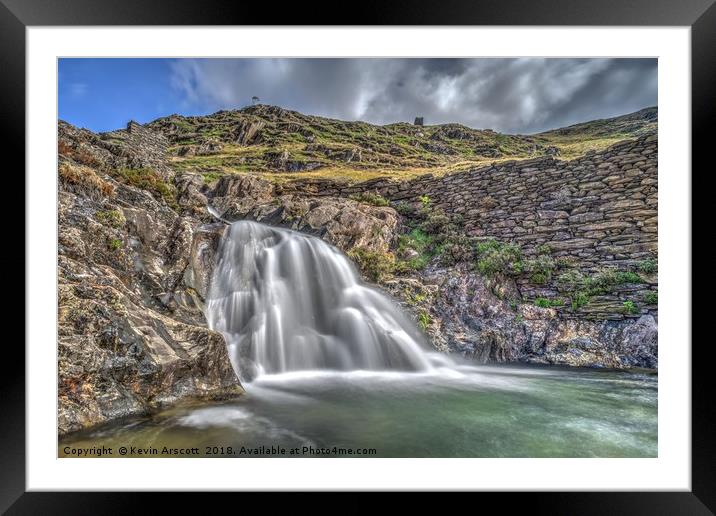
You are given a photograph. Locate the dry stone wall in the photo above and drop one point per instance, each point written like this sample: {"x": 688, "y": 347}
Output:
{"x": 599, "y": 211}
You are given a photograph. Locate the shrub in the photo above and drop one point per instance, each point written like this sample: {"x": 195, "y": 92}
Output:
{"x": 456, "y": 249}
{"x": 579, "y": 299}
{"x": 375, "y": 265}
{"x": 84, "y": 180}
{"x": 436, "y": 222}
{"x": 540, "y": 269}
{"x": 544, "y": 249}
{"x": 630, "y": 308}
{"x": 627, "y": 277}
{"x": 649, "y": 266}
{"x": 405, "y": 209}
{"x": 651, "y": 297}
{"x": 114, "y": 218}
{"x": 150, "y": 180}
{"x": 421, "y": 243}
{"x": 371, "y": 199}
{"x": 495, "y": 257}
{"x": 544, "y": 302}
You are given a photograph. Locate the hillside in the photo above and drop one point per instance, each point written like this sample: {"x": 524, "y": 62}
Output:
{"x": 278, "y": 143}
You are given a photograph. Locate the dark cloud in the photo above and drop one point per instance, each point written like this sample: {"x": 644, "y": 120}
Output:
{"x": 511, "y": 95}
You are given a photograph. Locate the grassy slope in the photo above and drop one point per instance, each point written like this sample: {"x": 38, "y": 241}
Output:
{"x": 395, "y": 150}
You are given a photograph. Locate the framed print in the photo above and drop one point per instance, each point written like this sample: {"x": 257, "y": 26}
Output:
{"x": 440, "y": 249}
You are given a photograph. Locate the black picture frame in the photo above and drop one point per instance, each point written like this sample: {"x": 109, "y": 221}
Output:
{"x": 700, "y": 15}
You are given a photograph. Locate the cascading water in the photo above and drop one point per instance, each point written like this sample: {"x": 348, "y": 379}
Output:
{"x": 286, "y": 301}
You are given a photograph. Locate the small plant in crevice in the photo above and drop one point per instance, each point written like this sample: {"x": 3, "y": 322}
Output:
{"x": 649, "y": 266}
{"x": 630, "y": 308}
{"x": 424, "y": 320}
{"x": 114, "y": 244}
{"x": 651, "y": 297}
{"x": 544, "y": 302}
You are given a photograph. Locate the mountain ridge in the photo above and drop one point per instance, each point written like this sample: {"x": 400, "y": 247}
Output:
{"x": 280, "y": 144}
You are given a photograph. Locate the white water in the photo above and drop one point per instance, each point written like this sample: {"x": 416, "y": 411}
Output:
{"x": 287, "y": 302}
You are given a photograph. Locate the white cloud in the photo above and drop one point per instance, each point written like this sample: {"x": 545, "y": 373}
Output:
{"x": 512, "y": 95}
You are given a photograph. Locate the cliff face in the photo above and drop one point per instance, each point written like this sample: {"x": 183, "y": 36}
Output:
{"x": 131, "y": 334}
{"x": 541, "y": 260}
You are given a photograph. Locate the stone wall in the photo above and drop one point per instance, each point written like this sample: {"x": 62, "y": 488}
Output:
{"x": 600, "y": 210}
{"x": 151, "y": 146}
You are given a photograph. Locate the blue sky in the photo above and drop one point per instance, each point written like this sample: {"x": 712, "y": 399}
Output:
{"x": 104, "y": 94}
{"x": 509, "y": 95}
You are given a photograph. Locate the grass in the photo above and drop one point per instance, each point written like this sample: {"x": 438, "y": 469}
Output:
{"x": 150, "y": 180}
{"x": 113, "y": 218}
{"x": 424, "y": 320}
{"x": 370, "y": 199}
{"x": 399, "y": 150}
{"x": 82, "y": 179}
{"x": 544, "y": 302}
{"x": 420, "y": 242}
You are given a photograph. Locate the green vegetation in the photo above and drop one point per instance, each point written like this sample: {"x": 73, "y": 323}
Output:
{"x": 249, "y": 138}
{"x": 419, "y": 242}
{"x": 371, "y": 199}
{"x": 627, "y": 277}
{"x": 114, "y": 244}
{"x": 540, "y": 268}
{"x": 579, "y": 299}
{"x": 148, "y": 179}
{"x": 630, "y": 308}
{"x": 583, "y": 287}
{"x": 649, "y": 266}
{"x": 210, "y": 177}
{"x": 544, "y": 302}
{"x": 425, "y": 200}
{"x": 114, "y": 218}
{"x": 652, "y": 297}
{"x": 376, "y": 265}
{"x": 456, "y": 249}
{"x": 424, "y": 320}
{"x": 495, "y": 257}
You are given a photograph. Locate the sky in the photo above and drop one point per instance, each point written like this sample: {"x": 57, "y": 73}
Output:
{"x": 511, "y": 95}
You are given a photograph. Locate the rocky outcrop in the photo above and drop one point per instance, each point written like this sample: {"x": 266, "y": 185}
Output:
{"x": 466, "y": 313}
{"x": 132, "y": 276}
{"x": 345, "y": 223}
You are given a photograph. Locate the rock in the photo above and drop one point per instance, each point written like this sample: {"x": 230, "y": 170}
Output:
{"x": 132, "y": 337}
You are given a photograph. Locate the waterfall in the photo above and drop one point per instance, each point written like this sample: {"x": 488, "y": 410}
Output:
{"x": 286, "y": 301}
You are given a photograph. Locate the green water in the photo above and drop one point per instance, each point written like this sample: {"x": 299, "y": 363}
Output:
{"x": 470, "y": 411}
